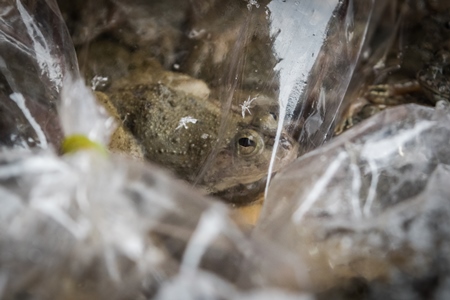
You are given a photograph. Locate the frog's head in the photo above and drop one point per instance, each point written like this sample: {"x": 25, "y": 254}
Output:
{"x": 239, "y": 168}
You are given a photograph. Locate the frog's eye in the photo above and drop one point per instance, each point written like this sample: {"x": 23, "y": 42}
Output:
{"x": 447, "y": 25}
{"x": 249, "y": 143}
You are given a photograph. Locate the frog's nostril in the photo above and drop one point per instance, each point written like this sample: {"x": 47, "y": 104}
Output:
{"x": 285, "y": 143}
{"x": 274, "y": 115}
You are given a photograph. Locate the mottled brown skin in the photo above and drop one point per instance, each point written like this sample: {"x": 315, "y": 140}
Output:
{"x": 241, "y": 155}
{"x": 223, "y": 153}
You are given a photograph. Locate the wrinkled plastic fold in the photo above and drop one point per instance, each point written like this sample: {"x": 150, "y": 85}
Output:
{"x": 87, "y": 227}
{"x": 366, "y": 203}
{"x": 370, "y": 204}
{"x": 318, "y": 45}
{"x": 36, "y": 53}
{"x": 293, "y": 58}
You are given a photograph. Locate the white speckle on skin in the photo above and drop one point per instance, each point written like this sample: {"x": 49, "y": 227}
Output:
{"x": 193, "y": 34}
{"x": 246, "y": 106}
{"x": 98, "y": 81}
{"x": 252, "y": 3}
{"x": 186, "y": 120}
{"x": 205, "y": 136}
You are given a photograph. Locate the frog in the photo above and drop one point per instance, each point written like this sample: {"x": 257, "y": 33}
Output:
{"x": 415, "y": 73}
{"x": 177, "y": 123}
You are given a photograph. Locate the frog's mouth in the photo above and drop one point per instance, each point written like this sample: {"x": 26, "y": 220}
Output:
{"x": 243, "y": 194}
{"x": 249, "y": 193}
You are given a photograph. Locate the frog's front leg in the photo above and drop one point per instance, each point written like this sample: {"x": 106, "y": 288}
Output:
{"x": 349, "y": 117}
{"x": 375, "y": 99}
{"x": 357, "y": 112}
{"x": 391, "y": 94}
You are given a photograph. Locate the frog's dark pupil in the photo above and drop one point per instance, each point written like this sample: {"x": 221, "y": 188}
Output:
{"x": 447, "y": 25}
{"x": 246, "y": 142}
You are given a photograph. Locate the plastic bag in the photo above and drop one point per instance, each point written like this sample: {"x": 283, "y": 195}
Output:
{"x": 242, "y": 56}
{"x": 403, "y": 63}
{"x": 88, "y": 225}
{"x": 368, "y": 203}
{"x": 314, "y": 80}
{"x": 92, "y": 226}
{"x": 36, "y": 53}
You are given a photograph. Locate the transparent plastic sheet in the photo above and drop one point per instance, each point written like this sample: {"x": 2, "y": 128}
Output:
{"x": 90, "y": 226}
{"x": 314, "y": 47}
{"x": 87, "y": 227}
{"x": 402, "y": 63}
{"x": 371, "y": 203}
{"x": 313, "y": 84}
{"x": 291, "y": 60}
{"x": 318, "y": 45}
{"x": 34, "y": 59}
{"x": 380, "y": 40}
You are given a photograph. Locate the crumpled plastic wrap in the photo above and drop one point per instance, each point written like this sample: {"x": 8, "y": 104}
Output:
{"x": 87, "y": 227}
{"x": 289, "y": 53}
{"x": 313, "y": 82}
{"x": 36, "y": 54}
{"x": 401, "y": 61}
{"x": 370, "y": 204}
{"x": 373, "y": 203}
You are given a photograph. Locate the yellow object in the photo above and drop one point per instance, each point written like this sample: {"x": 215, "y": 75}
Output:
{"x": 77, "y": 142}
{"x": 250, "y": 213}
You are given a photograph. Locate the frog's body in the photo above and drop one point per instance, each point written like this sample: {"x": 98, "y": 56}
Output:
{"x": 178, "y": 125}
{"x": 421, "y": 73}
{"x": 180, "y": 131}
